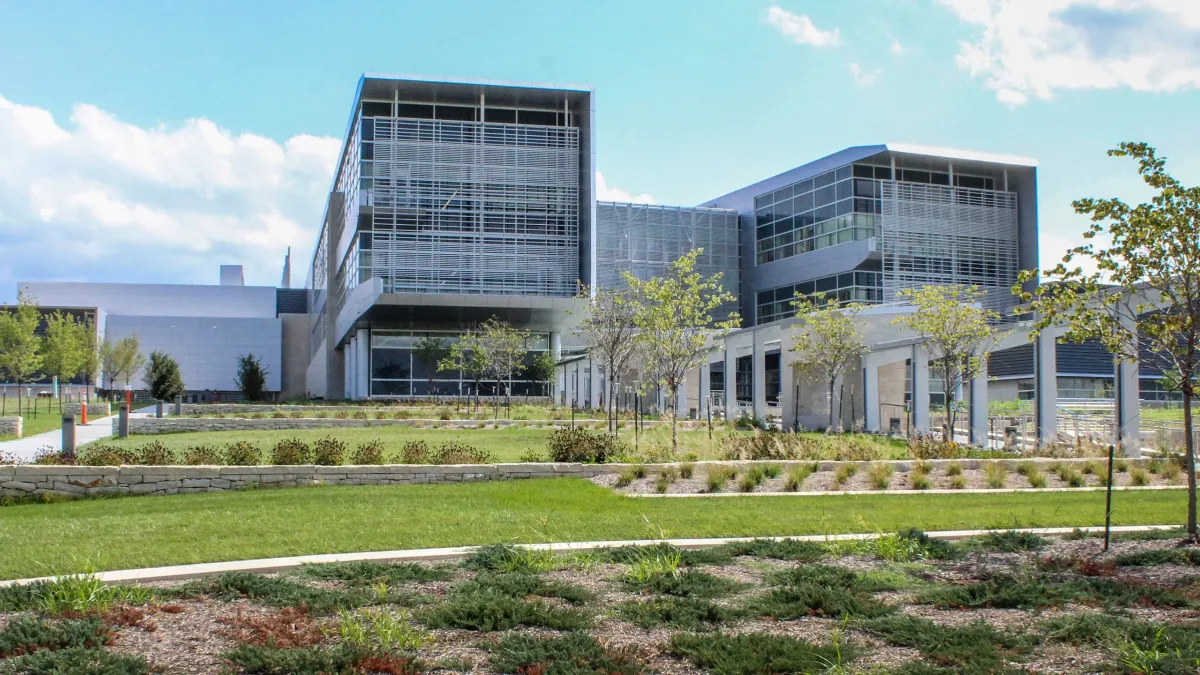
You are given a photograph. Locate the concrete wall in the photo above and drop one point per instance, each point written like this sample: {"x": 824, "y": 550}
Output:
{"x": 157, "y": 299}
{"x": 173, "y": 425}
{"x": 207, "y": 349}
{"x": 1002, "y": 390}
{"x": 295, "y": 355}
{"x": 10, "y": 426}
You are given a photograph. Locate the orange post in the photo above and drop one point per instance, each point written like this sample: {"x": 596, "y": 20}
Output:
{"x": 83, "y": 413}
{"x": 129, "y": 399}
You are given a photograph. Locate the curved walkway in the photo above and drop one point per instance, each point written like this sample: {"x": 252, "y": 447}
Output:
{"x": 268, "y": 565}
{"x": 25, "y": 449}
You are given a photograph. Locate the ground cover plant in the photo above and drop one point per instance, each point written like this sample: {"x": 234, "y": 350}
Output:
{"x": 905, "y": 603}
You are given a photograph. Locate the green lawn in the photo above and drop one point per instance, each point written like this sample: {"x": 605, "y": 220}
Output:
{"x": 507, "y": 444}
{"x": 43, "y": 417}
{"x": 148, "y": 531}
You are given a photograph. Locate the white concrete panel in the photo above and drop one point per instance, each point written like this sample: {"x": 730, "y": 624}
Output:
{"x": 206, "y": 348}
{"x": 163, "y": 300}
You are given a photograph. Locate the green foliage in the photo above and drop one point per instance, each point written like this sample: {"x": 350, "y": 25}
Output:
{"x": 488, "y": 609}
{"x": 995, "y": 473}
{"x": 368, "y": 453}
{"x": 430, "y": 351}
{"x": 778, "y": 549}
{"x": 260, "y": 660}
{"x": 379, "y": 630}
{"x": 1138, "y": 477}
{"x": 203, "y": 455}
{"x": 829, "y": 340}
{"x": 1032, "y": 592}
{"x": 277, "y": 591}
{"x": 576, "y": 653}
{"x": 242, "y": 453}
{"x": 919, "y": 482}
{"x": 686, "y": 612}
{"x": 364, "y": 573}
{"x": 686, "y": 469}
{"x": 580, "y": 445}
{"x": 251, "y": 378}
{"x": 509, "y": 558}
{"x": 523, "y": 584}
{"x": 954, "y": 469}
{"x": 163, "y": 378}
{"x": 65, "y": 346}
{"x": 1007, "y": 541}
{"x": 822, "y": 590}
{"x": 1167, "y": 556}
{"x": 759, "y": 653}
{"x": 974, "y": 648}
{"x": 328, "y": 451}
{"x": 664, "y": 556}
{"x": 291, "y": 452}
{"x": 25, "y": 634}
{"x": 75, "y": 661}
{"x": 796, "y": 476}
{"x": 20, "y": 346}
{"x": 689, "y": 583}
{"x": 73, "y": 594}
{"x": 880, "y": 475}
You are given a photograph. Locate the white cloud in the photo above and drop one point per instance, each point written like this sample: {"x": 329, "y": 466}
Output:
{"x": 607, "y": 193}
{"x": 897, "y": 49}
{"x": 800, "y": 28}
{"x": 1032, "y": 48}
{"x": 864, "y": 78}
{"x": 104, "y": 200}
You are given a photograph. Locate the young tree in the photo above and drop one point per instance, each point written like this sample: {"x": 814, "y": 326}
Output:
{"x": 20, "y": 345}
{"x": 466, "y": 356}
{"x": 251, "y": 377}
{"x": 503, "y": 352}
{"x": 163, "y": 378}
{"x": 91, "y": 356}
{"x": 64, "y": 348}
{"x": 830, "y": 342}
{"x": 121, "y": 360}
{"x": 610, "y": 331}
{"x": 429, "y": 352}
{"x": 540, "y": 368}
{"x": 673, "y": 316}
{"x": 957, "y": 334}
{"x": 1145, "y": 292}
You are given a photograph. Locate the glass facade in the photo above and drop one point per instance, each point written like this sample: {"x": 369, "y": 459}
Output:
{"x": 1085, "y": 387}
{"x": 397, "y": 371}
{"x": 776, "y": 303}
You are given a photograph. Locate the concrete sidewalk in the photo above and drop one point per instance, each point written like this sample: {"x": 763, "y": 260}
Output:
{"x": 269, "y": 565}
{"x": 25, "y": 449}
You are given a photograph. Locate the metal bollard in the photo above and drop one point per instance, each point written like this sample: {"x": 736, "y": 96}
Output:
{"x": 178, "y": 406}
{"x": 123, "y": 421}
{"x": 68, "y": 434}
{"x": 158, "y": 409}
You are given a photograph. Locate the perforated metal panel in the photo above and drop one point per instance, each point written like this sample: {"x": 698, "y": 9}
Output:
{"x": 644, "y": 239}
{"x": 936, "y": 235}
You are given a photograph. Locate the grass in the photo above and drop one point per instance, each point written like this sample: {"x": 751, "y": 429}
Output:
{"x": 506, "y": 444}
{"x": 206, "y": 527}
{"x": 42, "y": 418}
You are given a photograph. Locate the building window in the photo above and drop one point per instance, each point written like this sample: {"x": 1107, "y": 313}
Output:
{"x": 744, "y": 379}
{"x": 1085, "y": 387}
{"x": 1153, "y": 390}
{"x": 858, "y": 286}
{"x": 1025, "y": 390}
{"x": 396, "y": 371}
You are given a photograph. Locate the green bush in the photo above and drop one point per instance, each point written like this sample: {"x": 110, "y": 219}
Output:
{"x": 687, "y": 613}
{"x": 954, "y": 469}
{"x": 365, "y": 573}
{"x": 844, "y": 473}
{"x": 1168, "y": 556}
{"x": 106, "y": 455}
{"x": 576, "y": 653}
{"x": 995, "y": 473}
{"x": 686, "y": 469}
{"x": 782, "y": 549}
{"x": 277, "y": 591}
{"x": 579, "y": 445}
{"x": 203, "y": 455}
{"x": 508, "y": 558}
{"x": 759, "y": 653}
{"x": 522, "y": 585}
{"x": 975, "y": 648}
{"x": 75, "y": 661}
{"x": 631, "y": 554}
{"x": 1008, "y": 541}
{"x": 369, "y": 453}
{"x": 487, "y": 610}
{"x": 689, "y": 583}
{"x": 1138, "y": 477}
{"x": 26, "y": 634}
{"x": 154, "y": 453}
{"x": 415, "y": 452}
{"x": 919, "y": 482}
{"x": 291, "y": 452}
{"x": 269, "y": 660}
{"x": 1008, "y": 592}
{"x": 880, "y": 476}
{"x": 243, "y": 453}
{"x": 453, "y": 452}
{"x": 803, "y": 599}
{"x": 328, "y": 451}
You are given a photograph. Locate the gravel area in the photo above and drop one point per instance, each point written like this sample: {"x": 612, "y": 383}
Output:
{"x": 191, "y": 635}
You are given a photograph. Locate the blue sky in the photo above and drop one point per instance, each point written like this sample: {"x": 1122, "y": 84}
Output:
{"x": 153, "y": 141}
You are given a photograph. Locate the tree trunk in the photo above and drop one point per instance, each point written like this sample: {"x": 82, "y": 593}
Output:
{"x": 674, "y": 409}
{"x": 831, "y": 428}
{"x": 19, "y": 400}
{"x": 1189, "y": 457}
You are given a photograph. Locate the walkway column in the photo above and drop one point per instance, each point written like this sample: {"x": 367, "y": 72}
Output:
{"x": 759, "y": 369}
{"x": 681, "y": 403}
{"x": 920, "y": 389}
{"x": 362, "y": 367}
{"x": 705, "y": 386}
{"x": 1045, "y": 388}
{"x": 787, "y": 387}
{"x": 594, "y": 384}
{"x": 1128, "y": 400}
{"x": 979, "y": 408}
{"x": 348, "y": 358}
{"x": 730, "y": 384}
{"x": 870, "y": 377}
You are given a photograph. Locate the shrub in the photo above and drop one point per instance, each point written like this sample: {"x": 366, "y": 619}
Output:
{"x": 687, "y": 613}
{"x": 1088, "y": 468}
{"x": 202, "y": 455}
{"x": 415, "y": 452}
{"x": 1121, "y": 466}
{"x": 662, "y": 485}
{"x": 626, "y": 477}
{"x": 366, "y": 573}
{"x": 1169, "y": 556}
{"x": 106, "y": 455}
{"x": 251, "y": 378}
{"x": 51, "y": 456}
{"x": 531, "y": 456}
{"x": 26, "y": 634}
{"x": 359, "y": 415}
{"x": 573, "y": 654}
{"x": 922, "y": 446}
{"x": 277, "y": 591}
{"x": 954, "y": 469}
{"x": 154, "y": 453}
{"x": 748, "y": 482}
{"x": 341, "y": 415}
{"x": 922, "y": 467}
{"x": 1138, "y": 477}
{"x": 508, "y": 558}
{"x": 453, "y": 452}
{"x": 1171, "y": 472}
{"x": 523, "y": 585}
{"x": 689, "y": 583}
{"x": 919, "y": 482}
{"x": 1026, "y": 468}
{"x": 844, "y": 473}
{"x": 162, "y": 377}
{"x": 290, "y": 452}
{"x": 1036, "y": 480}
{"x": 328, "y": 451}
{"x": 269, "y": 660}
{"x": 796, "y": 477}
{"x": 578, "y": 445}
{"x": 1076, "y": 479}
{"x": 973, "y": 648}
{"x": 995, "y": 473}
{"x": 369, "y": 453}
{"x": 686, "y": 470}
{"x": 772, "y": 470}
{"x": 796, "y": 601}
{"x": 759, "y": 653}
{"x": 1008, "y": 541}
{"x": 957, "y": 482}
{"x": 778, "y": 549}
{"x": 880, "y": 476}
{"x": 488, "y": 610}
{"x": 77, "y": 660}
{"x": 242, "y": 453}
{"x": 767, "y": 444}
{"x": 289, "y": 627}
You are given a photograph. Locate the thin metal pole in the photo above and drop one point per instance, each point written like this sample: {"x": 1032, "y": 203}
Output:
{"x": 636, "y": 412}
{"x": 1108, "y": 497}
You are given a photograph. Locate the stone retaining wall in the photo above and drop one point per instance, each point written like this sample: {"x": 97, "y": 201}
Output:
{"x": 27, "y": 481}
{"x": 95, "y": 410}
{"x": 10, "y": 426}
{"x": 227, "y": 408}
{"x": 173, "y": 425}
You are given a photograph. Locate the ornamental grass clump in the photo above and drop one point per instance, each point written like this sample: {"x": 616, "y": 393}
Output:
{"x": 686, "y": 469}
{"x": 1138, "y": 477}
{"x": 880, "y": 476}
{"x": 797, "y": 475}
{"x": 954, "y": 469}
{"x": 843, "y": 474}
{"x": 996, "y": 474}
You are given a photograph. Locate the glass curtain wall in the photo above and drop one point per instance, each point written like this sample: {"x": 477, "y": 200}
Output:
{"x": 397, "y": 370}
